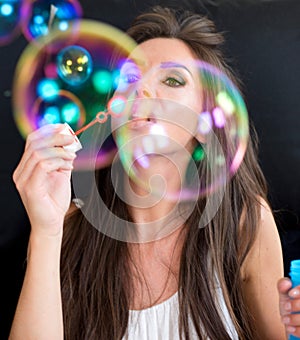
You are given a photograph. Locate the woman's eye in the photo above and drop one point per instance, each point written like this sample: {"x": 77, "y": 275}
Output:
{"x": 131, "y": 78}
{"x": 125, "y": 80}
{"x": 173, "y": 82}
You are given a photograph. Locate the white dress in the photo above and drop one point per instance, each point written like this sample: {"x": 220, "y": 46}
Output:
{"x": 160, "y": 322}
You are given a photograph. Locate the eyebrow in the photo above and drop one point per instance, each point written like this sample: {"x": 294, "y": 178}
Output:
{"x": 170, "y": 64}
{"x": 165, "y": 64}
{"x": 137, "y": 62}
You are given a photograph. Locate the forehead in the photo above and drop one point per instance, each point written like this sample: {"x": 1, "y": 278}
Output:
{"x": 161, "y": 50}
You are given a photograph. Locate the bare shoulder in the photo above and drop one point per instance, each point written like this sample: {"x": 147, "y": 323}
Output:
{"x": 262, "y": 269}
{"x": 267, "y": 228}
{"x": 266, "y": 251}
{"x": 266, "y": 212}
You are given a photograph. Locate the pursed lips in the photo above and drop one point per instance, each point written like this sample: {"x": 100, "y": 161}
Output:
{"x": 137, "y": 121}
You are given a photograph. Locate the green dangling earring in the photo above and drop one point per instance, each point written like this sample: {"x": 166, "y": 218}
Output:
{"x": 198, "y": 154}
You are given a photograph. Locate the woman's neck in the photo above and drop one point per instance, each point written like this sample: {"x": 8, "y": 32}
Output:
{"x": 159, "y": 213}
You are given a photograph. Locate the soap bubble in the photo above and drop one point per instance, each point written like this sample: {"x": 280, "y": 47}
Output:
{"x": 39, "y": 17}
{"x": 74, "y": 65}
{"x": 9, "y": 20}
{"x": 163, "y": 149}
{"x": 151, "y": 126}
{"x": 61, "y": 107}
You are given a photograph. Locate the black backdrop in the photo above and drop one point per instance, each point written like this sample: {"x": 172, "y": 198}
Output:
{"x": 263, "y": 44}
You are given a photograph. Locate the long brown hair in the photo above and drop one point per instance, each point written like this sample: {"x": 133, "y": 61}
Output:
{"x": 95, "y": 276}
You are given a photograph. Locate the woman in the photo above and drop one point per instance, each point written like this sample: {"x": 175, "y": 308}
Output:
{"x": 216, "y": 282}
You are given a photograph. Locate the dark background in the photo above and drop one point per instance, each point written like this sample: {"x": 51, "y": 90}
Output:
{"x": 263, "y": 44}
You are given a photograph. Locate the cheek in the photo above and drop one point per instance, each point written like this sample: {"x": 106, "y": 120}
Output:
{"x": 181, "y": 135}
{"x": 179, "y": 119}
{"x": 194, "y": 98}
{"x": 186, "y": 97}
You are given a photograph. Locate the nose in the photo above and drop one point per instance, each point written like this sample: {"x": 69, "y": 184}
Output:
{"x": 143, "y": 91}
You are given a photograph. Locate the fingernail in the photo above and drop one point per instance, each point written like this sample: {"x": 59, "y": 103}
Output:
{"x": 294, "y": 293}
{"x": 286, "y": 320}
{"x": 288, "y": 306}
{"x": 291, "y": 329}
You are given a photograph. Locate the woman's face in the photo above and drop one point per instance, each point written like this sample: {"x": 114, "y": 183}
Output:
{"x": 164, "y": 92}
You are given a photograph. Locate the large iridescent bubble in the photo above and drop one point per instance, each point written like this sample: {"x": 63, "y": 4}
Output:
{"x": 39, "y": 17}
{"x": 69, "y": 77}
{"x": 206, "y": 118}
{"x": 180, "y": 148}
{"x": 10, "y": 18}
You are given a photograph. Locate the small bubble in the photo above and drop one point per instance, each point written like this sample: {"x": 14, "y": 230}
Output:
{"x": 74, "y": 65}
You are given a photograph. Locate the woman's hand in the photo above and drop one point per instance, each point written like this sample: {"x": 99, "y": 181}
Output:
{"x": 43, "y": 178}
{"x": 289, "y": 303}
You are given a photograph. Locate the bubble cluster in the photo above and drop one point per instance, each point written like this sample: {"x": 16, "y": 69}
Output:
{"x": 69, "y": 76}
{"x": 61, "y": 107}
{"x": 39, "y": 17}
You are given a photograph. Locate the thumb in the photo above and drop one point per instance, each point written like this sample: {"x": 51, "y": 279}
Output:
{"x": 283, "y": 287}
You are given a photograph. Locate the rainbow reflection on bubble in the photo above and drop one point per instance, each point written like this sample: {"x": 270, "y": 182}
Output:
{"x": 69, "y": 77}
{"x": 201, "y": 146}
{"x": 169, "y": 150}
{"x": 211, "y": 139}
{"x": 9, "y": 20}
{"x": 39, "y": 17}
{"x": 176, "y": 146}
{"x": 162, "y": 154}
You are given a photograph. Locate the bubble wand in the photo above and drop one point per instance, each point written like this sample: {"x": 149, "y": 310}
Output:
{"x": 114, "y": 108}
{"x": 101, "y": 118}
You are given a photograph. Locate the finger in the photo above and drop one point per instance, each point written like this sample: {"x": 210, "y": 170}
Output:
{"x": 55, "y": 139}
{"x": 295, "y": 292}
{"x": 45, "y": 172}
{"x": 283, "y": 287}
{"x": 30, "y": 160}
{"x": 40, "y": 143}
{"x": 45, "y": 168}
{"x": 45, "y": 165}
{"x": 42, "y": 132}
{"x": 292, "y": 320}
{"x": 293, "y": 330}
{"x": 41, "y": 139}
{"x": 295, "y": 305}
